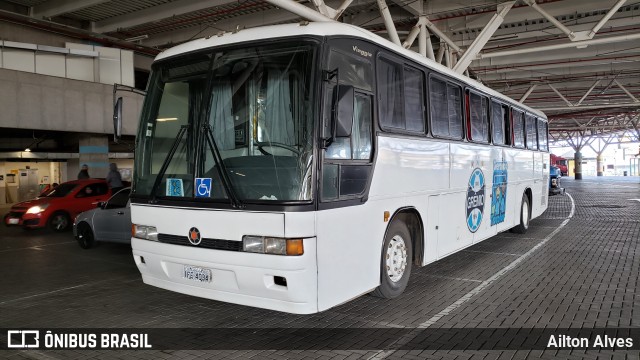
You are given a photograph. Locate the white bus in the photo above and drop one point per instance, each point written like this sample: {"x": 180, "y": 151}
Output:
{"x": 295, "y": 167}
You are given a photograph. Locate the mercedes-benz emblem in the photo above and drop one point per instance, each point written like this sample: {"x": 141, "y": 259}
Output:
{"x": 194, "y": 236}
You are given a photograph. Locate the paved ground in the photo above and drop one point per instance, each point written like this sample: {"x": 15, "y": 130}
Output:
{"x": 578, "y": 273}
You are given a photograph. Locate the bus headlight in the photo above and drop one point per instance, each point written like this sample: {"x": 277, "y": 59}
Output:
{"x": 272, "y": 245}
{"x": 144, "y": 232}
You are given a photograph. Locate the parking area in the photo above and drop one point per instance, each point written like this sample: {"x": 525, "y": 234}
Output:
{"x": 578, "y": 266}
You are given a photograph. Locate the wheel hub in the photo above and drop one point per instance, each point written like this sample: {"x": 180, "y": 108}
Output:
{"x": 396, "y": 258}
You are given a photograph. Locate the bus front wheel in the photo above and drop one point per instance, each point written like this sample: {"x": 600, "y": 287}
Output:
{"x": 396, "y": 261}
{"x": 525, "y": 216}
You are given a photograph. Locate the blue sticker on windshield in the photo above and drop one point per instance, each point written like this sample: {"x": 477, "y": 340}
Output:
{"x": 174, "y": 187}
{"x": 203, "y": 187}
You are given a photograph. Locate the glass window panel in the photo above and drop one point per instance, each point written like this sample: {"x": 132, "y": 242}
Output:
{"x": 518, "y": 128}
{"x": 455, "y": 111}
{"x": 438, "y": 107}
{"x": 497, "y": 123}
{"x": 353, "y": 179}
{"x": 532, "y": 139}
{"x": 339, "y": 149}
{"x": 478, "y": 107}
{"x": 390, "y": 95}
{"x": 414, "y": 99}
{"x": 361, "y": 132}
{"x": 119, "y": 200}
{"x": 351, "y": 70}
{"x": 330, "y": 181}
{"x": 542, "y": 135}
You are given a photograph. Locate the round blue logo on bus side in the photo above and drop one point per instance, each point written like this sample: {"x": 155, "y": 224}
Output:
{"x": 475, "y": 200}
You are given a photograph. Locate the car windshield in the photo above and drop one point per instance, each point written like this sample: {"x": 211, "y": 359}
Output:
{"x": 225, "y": 125}
{"x": 60, "y": 190}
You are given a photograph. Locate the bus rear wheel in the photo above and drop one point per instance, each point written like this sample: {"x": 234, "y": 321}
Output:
{"x": 396, "y": 261}
{"x": 525, "y": 216}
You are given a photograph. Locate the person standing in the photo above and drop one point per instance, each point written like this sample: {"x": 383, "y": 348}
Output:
{"x": 114, "y": 179}
{"x": 84, "y": 172}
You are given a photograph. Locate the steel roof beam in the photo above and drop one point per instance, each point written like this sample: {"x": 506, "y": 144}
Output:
{"x": 388, "y": 22}
{"x": 625, "y": 90}
{"x": 560, "y": 95}
{"x": 551, "y": 19}
{"x": 52, "y": 8}
{"x": 486, "y": 33}
{"x": 605, "y": 18}
{"x": 527, "y": 93}
{"x": 155, "y": 13}
{"x": 587, "y": 93}
{"x": 576, "y": 44}
{"x": 587, "y": 107}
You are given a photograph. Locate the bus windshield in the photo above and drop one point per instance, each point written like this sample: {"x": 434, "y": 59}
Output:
{"x": 229, "y": 125}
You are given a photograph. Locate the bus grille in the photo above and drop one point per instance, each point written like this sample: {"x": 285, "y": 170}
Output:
{"x": 205, "y": 243}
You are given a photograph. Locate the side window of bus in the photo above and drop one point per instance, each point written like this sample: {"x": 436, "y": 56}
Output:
{"x": 530, "y": 129}
{"x": 500, "y": 123}
{"x": 446, "y": 109}
{"x": 518, "y": 128}
{"x": 348, "y": 179}
{"x": 358, "y": 145}
{"x": 542, "y": 135}
{"x": 390, "y": 101}
{"x": 414, "y": 100}
{"x": 478, "y": 117}
{"x": 400, "y": 97}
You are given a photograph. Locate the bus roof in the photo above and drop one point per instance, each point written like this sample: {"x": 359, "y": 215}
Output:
{"x": 325, "y": 29}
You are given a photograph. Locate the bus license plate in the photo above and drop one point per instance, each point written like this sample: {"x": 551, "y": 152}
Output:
{"x": 196, "y": 273}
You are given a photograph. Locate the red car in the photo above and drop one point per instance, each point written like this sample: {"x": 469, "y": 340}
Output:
{"x": 59, "y": 206}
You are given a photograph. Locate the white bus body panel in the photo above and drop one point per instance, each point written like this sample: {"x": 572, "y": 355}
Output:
{"x": 238, "y": 277}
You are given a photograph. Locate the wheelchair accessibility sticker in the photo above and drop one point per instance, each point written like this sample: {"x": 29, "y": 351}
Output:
{"x": 203, "y": 187}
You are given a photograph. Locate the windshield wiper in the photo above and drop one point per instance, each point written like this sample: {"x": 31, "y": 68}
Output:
{"x": 167, "y": 161}
{"x": 222, "y": 171}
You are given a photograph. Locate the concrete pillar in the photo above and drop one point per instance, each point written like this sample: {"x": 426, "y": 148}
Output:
{"x": 578, "y": 165}
{"x": 599, "y": 167}
{"x": 94, "y": 152}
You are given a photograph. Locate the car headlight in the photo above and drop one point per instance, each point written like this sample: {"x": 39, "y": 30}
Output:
{"x": 37, "y": 209}
{"x": 272, "y": 245}
{"x": 144, "y": 232}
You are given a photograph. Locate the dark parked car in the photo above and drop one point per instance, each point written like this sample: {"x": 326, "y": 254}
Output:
{"x": 554, "y": 181}
{"x": 58, "y": 207}
{"x": 109, "y": 222}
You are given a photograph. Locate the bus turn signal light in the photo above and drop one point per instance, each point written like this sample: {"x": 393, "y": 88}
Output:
{"x": 294, "y": 247}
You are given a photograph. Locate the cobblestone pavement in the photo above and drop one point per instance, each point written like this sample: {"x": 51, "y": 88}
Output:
{"x": 584, "y": 275}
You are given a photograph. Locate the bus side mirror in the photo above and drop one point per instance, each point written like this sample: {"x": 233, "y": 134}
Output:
{"x": 117, "y": 119}
{"x": 343, "y": 111}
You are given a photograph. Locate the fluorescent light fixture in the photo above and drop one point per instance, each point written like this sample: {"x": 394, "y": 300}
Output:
{"x": 137, "y": 38}
{"x": 167, "y": 119}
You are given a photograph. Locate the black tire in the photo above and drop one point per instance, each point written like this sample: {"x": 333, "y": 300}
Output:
{"x": 393, "y": 281}
{"x": 525, "y": 216}
{"x": 59, "y": 221}
{"x": 85, "y": 236}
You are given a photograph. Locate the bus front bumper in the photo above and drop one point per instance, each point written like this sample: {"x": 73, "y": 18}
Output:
{"x": 235, "y": 277}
